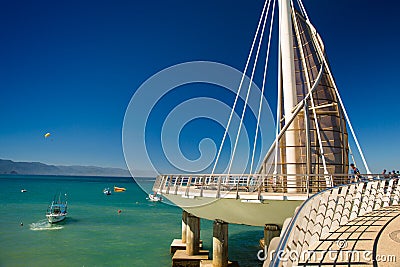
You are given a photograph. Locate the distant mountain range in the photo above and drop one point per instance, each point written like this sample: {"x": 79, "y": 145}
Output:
{"x": 37, "y": 168}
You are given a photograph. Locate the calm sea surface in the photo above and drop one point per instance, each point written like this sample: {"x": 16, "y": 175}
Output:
{"x": 94, "y": 234}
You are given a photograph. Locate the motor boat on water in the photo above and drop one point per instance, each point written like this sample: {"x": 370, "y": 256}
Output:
{"x": 155, "y": 197}
{"x": 107, "y": 191}
{"x": 119, "y": 189}
{"x": 57, "y": 210}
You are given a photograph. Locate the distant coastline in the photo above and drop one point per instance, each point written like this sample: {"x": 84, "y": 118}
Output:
{"x": 38, "y": 168}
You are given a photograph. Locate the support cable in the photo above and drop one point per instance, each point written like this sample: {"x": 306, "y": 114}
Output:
{"x": 303, "y": 10}
{"x": 240, "y": 86}
{"x": 297, "y": 109}
{"x": 279, "y": 101}
{"x": 321, "y": 54}
{"x": 352, "y": 156}
{"x": 321, "y": 149}
{"x": 263, "y": 87}
{"x": 248, "y": 89}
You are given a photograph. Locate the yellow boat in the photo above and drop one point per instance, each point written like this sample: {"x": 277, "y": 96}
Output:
{"x": 119, "y": 189}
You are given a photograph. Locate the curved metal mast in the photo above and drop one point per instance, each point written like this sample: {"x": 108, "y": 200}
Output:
{"x": 314, "y": 138}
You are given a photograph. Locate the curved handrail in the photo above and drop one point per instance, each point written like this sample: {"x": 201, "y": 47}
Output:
{"x": 191, "y": 185}
{"x": 286, "y": 235}
{"x": 381, "y": 186}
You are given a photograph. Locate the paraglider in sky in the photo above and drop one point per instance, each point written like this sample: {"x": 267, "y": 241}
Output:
{"x": 46, "y": 135}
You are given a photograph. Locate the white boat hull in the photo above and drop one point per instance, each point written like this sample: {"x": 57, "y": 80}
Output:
{"x": 154, "y": 198}
{"x": 54, "y": 218}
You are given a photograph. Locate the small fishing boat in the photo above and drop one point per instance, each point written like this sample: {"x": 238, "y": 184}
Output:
{"x": 155, "y": 197}
{"x": 107, "y": 191}
{"x": 119, "y": 189}
{"x": 57, "y": 210}
{"x": 23, "y": 190}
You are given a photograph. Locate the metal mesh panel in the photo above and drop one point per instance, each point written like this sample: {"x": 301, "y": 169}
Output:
{"x": 328, "y": 112}
{"x": 329, "y": 115}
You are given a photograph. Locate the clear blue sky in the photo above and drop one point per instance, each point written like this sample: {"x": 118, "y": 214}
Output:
{"x": 71, "y": 68}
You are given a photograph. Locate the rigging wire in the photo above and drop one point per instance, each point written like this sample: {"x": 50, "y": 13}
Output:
{"x": 248, "y": 89}
{"x": 321, "y": 54}
{"x": 321, "y": 149}
{"x": 263, "y": 19}
{"x": 352, "y": 156}
{"x": 278, "y": 104}
{"x": 303, "y": 10}
{"x": 239, "y": 89}
{"x": 263, "y": 88}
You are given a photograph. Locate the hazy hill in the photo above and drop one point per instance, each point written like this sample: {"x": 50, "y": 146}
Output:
{"x": 37, "y": 168}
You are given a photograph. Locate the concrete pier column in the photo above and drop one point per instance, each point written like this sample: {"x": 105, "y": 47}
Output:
{"x": 192, "y": 235}
{"x": 220, "y": 244}
{"x": 270, "y": 231}
{"x": 184, "y": 225}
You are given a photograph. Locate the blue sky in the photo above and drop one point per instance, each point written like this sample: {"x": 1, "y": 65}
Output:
{"x": 71, "y": 68}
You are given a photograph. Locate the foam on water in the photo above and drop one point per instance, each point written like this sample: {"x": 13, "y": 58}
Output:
{"x": 44, "y": 225}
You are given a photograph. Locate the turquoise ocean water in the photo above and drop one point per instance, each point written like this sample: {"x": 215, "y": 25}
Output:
{"x": 94, "y": 234}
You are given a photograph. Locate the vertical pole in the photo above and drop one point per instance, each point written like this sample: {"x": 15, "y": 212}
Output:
{"x": 192, "y": 235}
{"x": 220, "y": 244}
{"x": 278, "y": 106}
{"x": 184, "y": 225}
{"x": 289, "y": 88}
{"x": 308, "y": 146}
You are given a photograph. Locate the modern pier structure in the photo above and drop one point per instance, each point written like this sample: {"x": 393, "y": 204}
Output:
{"x": 311, "y": 149}
{"x": 309, "y": 158}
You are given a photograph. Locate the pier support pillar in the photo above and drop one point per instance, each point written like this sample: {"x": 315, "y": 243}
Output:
{"x": 192, "y": 235}
{"x": 220, "y": 244}
{"x": 184, "y": 225}
{"x": 270, "y": 231}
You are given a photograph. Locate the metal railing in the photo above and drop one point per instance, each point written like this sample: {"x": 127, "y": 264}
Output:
{"x": 218, "y": 185}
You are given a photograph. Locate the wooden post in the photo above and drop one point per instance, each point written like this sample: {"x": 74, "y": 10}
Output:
{"x": 184, "y": 225}
{"x": 192, "y": 235}
{"x": 220, "y": 244}
{"x": 270, "y": 231}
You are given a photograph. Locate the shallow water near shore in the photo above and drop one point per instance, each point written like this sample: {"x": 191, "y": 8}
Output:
{"x": 94, "y": 233}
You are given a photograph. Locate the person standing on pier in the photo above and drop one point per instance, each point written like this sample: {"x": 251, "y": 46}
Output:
{"x": 356, "y": 173}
